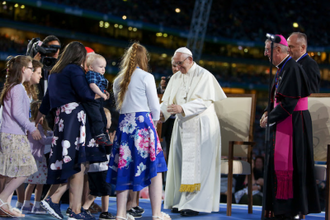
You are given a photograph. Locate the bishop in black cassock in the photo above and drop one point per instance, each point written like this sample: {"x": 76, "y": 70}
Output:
{"x": 290, "y": 182}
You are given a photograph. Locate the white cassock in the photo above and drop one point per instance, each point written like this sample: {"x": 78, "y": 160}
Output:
{"x": 193, "y": 177}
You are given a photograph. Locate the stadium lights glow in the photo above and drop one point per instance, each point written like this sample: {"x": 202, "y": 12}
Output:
{"x": 130, "y": 28}
{"x": 164, "y": 35}
{"x": 295, "y": 24}
{"x": 124, "y": 17}
{"x": 101, "y": 23}
{"x": 134, "y": 29}
{"x": 177, "y": 10}
{"x": 246, "y": 50}
{"x": 113, "y": 63}
{"x": 312, "y": 54}
{"x": 318, "y": 53}
{"x": 116, "y": 25}
{"x": 233, "y": 65}
{"x": 4, "y": 2}
{"x": 164, "y": 55}
{"x": 16, "y": 5}
{"x": 159, "y": 34}
{"x": 22, "y": 6}
{"x": 120, "y": 26}
{"x": 106, "y": 24}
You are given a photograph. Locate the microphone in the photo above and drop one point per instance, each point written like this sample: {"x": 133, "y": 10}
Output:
{"x": 273, "y": 38}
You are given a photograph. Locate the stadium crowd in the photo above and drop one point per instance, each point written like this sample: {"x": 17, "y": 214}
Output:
{"x": 238, "y": 18}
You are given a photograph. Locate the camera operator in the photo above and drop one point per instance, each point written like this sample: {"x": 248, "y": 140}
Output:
{"x": 48, "y": 60}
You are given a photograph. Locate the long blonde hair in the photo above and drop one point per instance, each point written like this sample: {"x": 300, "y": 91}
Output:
{"x": 135, "y": 55}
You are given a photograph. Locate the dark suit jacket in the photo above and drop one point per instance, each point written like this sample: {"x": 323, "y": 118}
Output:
{"x": 312, "y": 71}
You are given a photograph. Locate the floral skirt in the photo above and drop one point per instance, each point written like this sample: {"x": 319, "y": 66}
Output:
{"x": 39, "y": 177}
{"x": 137, "y": 155}
{"x": 72, "y": 144}
{"x": 16, "y": 159}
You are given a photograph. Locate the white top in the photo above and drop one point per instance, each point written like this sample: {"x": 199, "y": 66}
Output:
{"x": 141, "y": 95}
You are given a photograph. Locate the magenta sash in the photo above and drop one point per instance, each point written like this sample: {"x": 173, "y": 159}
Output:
{"x": 283, "y": 153}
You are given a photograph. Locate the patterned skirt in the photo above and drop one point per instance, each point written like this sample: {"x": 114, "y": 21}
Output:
{"x": 39, "y": 177}
{"x": 72, "y": 144}
{"x": 16, "y": 159}
{"x": 137, "y": 155}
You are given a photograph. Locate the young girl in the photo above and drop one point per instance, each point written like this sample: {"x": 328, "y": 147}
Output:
{"x": 137, "y": 158}
{"x": 31, "y": 86}
{"x": 16, "y": 160}
{"x": 39, "y": 178}
{"x": 32, "y": 92}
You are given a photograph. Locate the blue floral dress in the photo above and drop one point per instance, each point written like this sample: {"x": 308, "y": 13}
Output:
{"x": 137, "y": 155}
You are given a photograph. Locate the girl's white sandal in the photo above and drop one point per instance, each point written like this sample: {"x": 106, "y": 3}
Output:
{"x": 163, "y": 215}
{"x": 128, "y": 217}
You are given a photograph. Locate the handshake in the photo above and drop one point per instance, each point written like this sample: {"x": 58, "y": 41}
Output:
{"x": 172, "y": 109}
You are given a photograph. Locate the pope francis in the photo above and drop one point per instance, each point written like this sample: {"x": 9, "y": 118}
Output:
{"x": 193, "y": 177}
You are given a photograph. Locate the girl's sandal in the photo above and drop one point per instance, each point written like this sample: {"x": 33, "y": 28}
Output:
{"x": 16, "y": 212}
{"x": 163, "y": 216}
{"x": 5, "y": 212}
{"x": 128, "y": 217}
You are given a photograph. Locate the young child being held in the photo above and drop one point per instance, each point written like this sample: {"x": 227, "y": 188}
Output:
{"x": 39, "y": 178}
{"x": 98, "y": 83}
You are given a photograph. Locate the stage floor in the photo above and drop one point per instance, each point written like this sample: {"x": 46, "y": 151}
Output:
{"x": 238, "y": 212}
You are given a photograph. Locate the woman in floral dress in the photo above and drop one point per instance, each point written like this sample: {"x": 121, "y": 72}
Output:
{"x": 72, "y": 144}
{"x": 137, "y": 159}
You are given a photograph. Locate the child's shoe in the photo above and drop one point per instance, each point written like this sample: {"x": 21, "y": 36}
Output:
{"x": 106, "y": 216}
{"x": 26, "y": 209}
{"x": 38, "y": 211}
{"x": 103, "y": 139}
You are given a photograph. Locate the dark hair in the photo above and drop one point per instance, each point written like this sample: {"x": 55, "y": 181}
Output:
{"x": 260, "y": 157}
{"x": 73, "y": 53}
{"x": 14, "y": 73}
{"x": 50, "y": 38}
{"x": 35, "y": 105}
{"x": 32, "y": 90}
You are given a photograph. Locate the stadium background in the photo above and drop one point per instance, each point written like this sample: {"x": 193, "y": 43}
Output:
{"x": 234, "y": 43}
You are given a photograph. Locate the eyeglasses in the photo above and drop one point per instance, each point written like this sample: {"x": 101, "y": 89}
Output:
{"x": 31, "y": 68}
{"x": 267, "y": 50}
{"x": 181, "y": 62}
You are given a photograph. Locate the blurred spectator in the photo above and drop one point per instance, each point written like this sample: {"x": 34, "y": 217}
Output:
{"x": 257, "y": 181}
{"x": 322, "y": 193}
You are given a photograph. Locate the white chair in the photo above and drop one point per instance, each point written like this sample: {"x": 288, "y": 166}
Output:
{"x": 319, "y": 108}
{"x": 236, "y": 122}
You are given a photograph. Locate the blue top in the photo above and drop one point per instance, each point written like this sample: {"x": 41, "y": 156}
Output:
{"x": 98, "y": 79}
{"x": 70, "y": 85}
